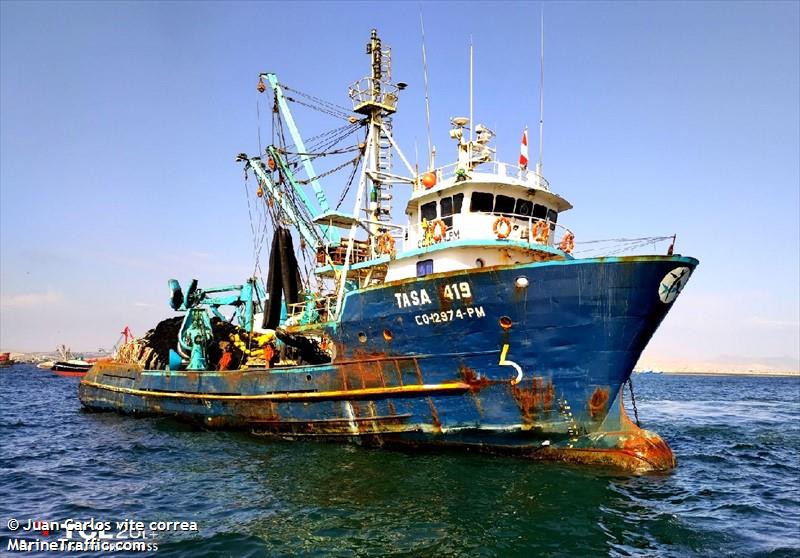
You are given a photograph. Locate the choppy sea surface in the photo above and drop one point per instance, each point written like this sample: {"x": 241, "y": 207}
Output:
{"x": 736, "y": 491}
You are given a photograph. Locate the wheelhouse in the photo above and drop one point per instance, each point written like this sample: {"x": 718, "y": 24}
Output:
{"x": 468, "y": 210}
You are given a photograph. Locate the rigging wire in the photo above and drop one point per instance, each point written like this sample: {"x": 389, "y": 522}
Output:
{"x": 250, "y": 214}
{"x": 258, "y": 240}
{"x": 322, "y": 102}
{"x": 335, "y": 114}
{"x": 349, "y": 149}
{"x": 327, "y": 145}
{"x": 619, "y": 245}
{"x": 331, "y": 171}
{"x": 324, "y": 144}
{"x": 318, "y": 138}
{"x": 427, "y": 96}
{"x": 258, "y": 120}
{"x": 349, "y": 181}
{"x": 647, "y": 238}
{"x": 301, "y": 211}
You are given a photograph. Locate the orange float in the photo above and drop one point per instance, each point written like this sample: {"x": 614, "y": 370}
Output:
{"x": 385, "y": 244}
{"x": 567, "y": 243}
{"x": 541, "y": 232}
{"x": 439, "y": 229}
{"x": 502, "y": 227}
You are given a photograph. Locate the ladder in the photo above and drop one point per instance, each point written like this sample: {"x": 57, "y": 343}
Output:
{"x": 384, "y": 189}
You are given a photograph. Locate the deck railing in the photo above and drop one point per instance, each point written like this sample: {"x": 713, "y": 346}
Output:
{"x": 368, "y": 91}
{"x": 506, "y": 170}
{"x": 480, "y": 226}
{"x": 307, "y": 312}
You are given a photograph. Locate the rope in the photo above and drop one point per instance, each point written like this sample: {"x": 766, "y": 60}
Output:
{"x": 633, "y": 402}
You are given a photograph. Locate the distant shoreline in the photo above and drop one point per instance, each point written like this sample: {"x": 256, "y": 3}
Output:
{"x": 710, "y": 369}
{"x": 772, "y": 374}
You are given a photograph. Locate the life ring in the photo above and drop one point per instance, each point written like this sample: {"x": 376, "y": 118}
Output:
{"x": 385, "y": 244}
{"x": 567, "y": 243}
{"x": 506, "y": 227}
{"x": 541, "y": 232}
{"x": 439, "y": 229}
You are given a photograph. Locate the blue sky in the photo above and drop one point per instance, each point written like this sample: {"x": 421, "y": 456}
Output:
{"x": 120, "y": 121}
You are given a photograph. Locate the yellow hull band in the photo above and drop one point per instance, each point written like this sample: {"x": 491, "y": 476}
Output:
{"x": 364, "y": 393}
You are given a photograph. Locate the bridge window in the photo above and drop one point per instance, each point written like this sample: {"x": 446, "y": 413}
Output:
{"x": 552, "y": 216}
{"x": 448, "y": 206}
{"x": 428, "y": 211}
{"x": 425, "y": 267}
{"x": 482, "y": 201}
{"x": 524, "y": 208}
{"x": 446, "y": 211}
{"x": 504, "y": 205}
{"x": 458, "y": 201}
{"x": 539, "y": 211}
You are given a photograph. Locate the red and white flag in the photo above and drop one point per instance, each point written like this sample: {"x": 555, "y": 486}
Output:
{"x": 523, "y": 151}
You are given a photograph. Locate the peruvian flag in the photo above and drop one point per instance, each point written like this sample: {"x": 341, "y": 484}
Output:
{"x": 523, "y": 151}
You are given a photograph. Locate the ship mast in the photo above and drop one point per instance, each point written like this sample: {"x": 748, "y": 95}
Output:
{"x": 539, "y": 164}
{"x": 378, "y": 104}
{"x": 375, "y": 97}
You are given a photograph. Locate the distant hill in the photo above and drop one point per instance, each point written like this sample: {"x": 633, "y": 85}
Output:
{"x": 783, "y": 366}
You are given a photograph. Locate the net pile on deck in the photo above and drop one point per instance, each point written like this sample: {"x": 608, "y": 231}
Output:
{"x": 151, "y": 351}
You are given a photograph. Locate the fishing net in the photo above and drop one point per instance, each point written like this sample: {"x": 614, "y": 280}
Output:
{"x": 151, "y": 351}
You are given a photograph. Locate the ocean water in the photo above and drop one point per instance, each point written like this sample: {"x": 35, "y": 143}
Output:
{"x": 736, "y": 491}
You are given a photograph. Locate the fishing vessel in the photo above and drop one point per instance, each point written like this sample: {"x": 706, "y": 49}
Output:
{"x": 68, "y": 364}
{"x": 471, "y": 326}
{"x": 75, "y": 367}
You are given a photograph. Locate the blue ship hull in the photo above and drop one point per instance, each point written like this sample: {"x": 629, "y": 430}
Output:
{"x": 526, "y": 359}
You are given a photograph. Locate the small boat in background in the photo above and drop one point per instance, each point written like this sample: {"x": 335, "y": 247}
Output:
{"x": 5, "y": 359}
{"x": 73, "y": 367}
{"x": 70, "y": 366}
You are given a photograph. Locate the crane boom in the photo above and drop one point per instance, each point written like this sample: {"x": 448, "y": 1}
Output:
{"x": 330, "y": 233}
{"x": 280, "y": 198}
{"x": 298, "y": 142}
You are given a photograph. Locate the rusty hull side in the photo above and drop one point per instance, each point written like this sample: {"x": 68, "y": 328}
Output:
{"x": 534, "y": 371}
{"x": 381, "y": 415}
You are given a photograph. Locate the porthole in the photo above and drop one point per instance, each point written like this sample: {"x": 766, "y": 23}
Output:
{"x": 505, "y": 322}
{"x": 479, "y": 262}
{"x": 387, "y": 334}
{"x": 362, "y": 336}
